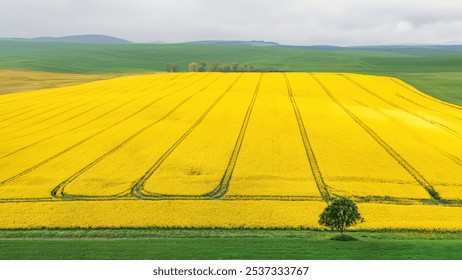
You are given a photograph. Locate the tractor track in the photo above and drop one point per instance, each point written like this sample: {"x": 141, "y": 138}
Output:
{"x": 80, "y": 114}
{"x": 59, "y": 191}
{"x": 427, "y": 108}
{"x": 444, "y": 127}
{"x": 92, "y": 136}
{"x": 411, "y": 170}
{"x": 121, "y": 90}
{"x": 399, "y": 82}
{"x": 84, "y": 124}
{"x": 221, "y": 190}
{"x": 70, "y": 89}
{"x": 322, "y": 187}
{"x": 37, "y": 107}
{"x": 455, "y": 159}
{"x": 137, "y": 187}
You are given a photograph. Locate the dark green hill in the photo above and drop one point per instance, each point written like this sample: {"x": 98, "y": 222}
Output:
{"x": 434, "y": 69}
{"x": 103, "y": 58}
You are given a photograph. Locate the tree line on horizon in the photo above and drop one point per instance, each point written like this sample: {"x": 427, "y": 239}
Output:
{"x": 215, "y": 66}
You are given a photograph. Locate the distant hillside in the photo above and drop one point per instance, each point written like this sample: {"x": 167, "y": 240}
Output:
{"x": 88, "y": 39}
{"x": 239, "y": 43}
{"x": 415, "y": 50}
{"x": 314, "y": 47}
{"x": 437, "y": 70}
{"x": 117, "y": 58}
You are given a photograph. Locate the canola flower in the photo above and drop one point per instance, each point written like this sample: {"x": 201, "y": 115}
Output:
{"x": 223, "y": 214}
{"x": 129, "y": 158}
{"x": 197, "y": 165}
{"x": 272, "y": 160}
{"x": 430, "y": 146}
{"x": 372, "y": 138}
{"x": 352, "y": 163}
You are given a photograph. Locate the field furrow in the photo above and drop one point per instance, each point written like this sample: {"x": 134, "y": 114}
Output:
{"x": 266, "y": 149}
{"x": 104, "y": 116}
{"x": 14, "y": 103}
{"x": 322, "y": 187}
{"x": 46, "y": 107}
{"x": 196, "y": 167}
{"x": 126, "y": 162}
{"x": 446, "y": 126}
{"x": 352, "y": 163}
{"x": 434, "y": 153}
{"x": 272, "y": 160}
{"x": 399, "y": 159}
{"x": 118, "y": 96}
{"x": 62, "y": 111}
{"x": 90, "y": 147}
{"x": 413, "y": 101}
{"x": 443, "y": 106}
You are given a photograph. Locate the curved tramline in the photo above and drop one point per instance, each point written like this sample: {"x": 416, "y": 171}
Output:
{"x": 222, "y": 188}
{"x": 73, "y": 184}
{"x": 230, "y": 150}
{"x": 137, "y": 189}
{"x": 86, "y": 139}
{"x": 60, "y": 189}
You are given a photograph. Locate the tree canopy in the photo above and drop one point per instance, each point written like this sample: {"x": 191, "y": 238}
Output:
{"x": 340, "y": 214}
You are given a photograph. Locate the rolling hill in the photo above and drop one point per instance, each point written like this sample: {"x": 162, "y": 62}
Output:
{"x": 88, "y": 39}
{"x": 436, "y": 70}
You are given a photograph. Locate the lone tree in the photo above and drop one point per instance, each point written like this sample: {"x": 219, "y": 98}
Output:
{"x": 340, "y": 214}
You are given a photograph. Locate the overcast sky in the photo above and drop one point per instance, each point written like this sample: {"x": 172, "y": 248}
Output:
{"x": 297, "y": 22}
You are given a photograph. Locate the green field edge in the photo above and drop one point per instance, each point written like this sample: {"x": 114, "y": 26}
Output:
{"x": 216, "y": 244}
{"x": 188, "y": 232}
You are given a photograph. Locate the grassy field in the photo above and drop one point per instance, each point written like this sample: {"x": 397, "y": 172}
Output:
{"x": 446, "y": 86}
{"x": 225, "y": 244}
{"x": 421, "y": 67}
{"x": 18, "y": 81}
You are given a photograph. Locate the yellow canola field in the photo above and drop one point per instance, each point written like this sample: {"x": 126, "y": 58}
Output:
{"x": 351, "y": 162}
{"x": 60, "y": 158}
{"x": 228, "y": 150}
{"x": 116, "y": 172}
{"x": 272, "y": 160}
{"x": 108, "y": 109}
{"x": 222, "y": 214}
{"x": 105, "y": 100}
{"x": 197, "y": 165}
{"x": 435, "y": 152}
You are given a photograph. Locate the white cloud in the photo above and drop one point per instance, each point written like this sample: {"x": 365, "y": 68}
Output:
{"x": 303, "y": 22}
